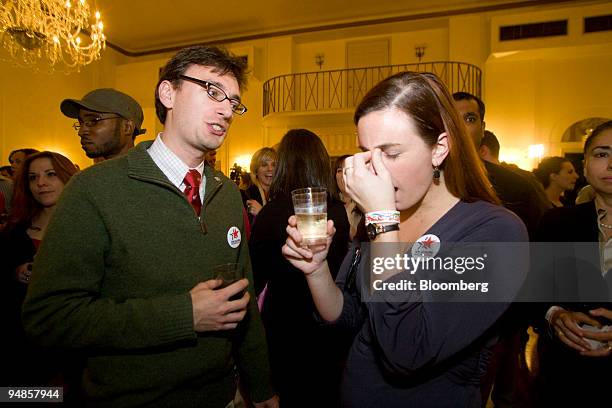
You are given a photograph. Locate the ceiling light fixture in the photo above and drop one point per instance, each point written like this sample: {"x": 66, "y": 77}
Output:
{"x": 51, "y": 35}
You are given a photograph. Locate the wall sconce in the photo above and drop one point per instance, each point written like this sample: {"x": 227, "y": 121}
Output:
{"x": 320, "y": 60}
{"x": 419, "y": 51}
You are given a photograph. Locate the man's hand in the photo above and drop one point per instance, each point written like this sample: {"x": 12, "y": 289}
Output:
{"x": 271, "y": 403}
{"x": 566, "y": 326}
{"x": 212, "y": 309}
{"x": 253, "y": 207}
{"x": 604, "y": 337}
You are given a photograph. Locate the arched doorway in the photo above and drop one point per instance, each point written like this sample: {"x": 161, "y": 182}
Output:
{"x": 580, "y": 130}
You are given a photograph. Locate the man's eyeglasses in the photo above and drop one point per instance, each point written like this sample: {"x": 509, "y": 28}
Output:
{"x": 217, "y": 94}
{"x": 91, "y": 122}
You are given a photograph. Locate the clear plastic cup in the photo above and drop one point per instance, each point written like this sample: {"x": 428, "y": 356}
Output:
{"x": 310, "y": 207}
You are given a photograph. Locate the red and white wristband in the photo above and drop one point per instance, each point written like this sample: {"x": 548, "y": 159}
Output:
{"x": 385, "y": 216}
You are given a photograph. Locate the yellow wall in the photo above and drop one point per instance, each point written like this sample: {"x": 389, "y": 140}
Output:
{"x": 536, "y": 88}
{"x": 435, "y": 40}
{"x": 334, "y": 52}
{"x": 468, "y": 39}
{"x": 534, "y": 100}
{"x": 510, "y": 102}
{"x": 401, "y": 49}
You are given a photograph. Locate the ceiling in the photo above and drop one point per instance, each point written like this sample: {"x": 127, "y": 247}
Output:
{"x": 141, "y": 27}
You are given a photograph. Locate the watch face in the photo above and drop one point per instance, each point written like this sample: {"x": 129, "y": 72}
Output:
{"x": 371, "y": 230}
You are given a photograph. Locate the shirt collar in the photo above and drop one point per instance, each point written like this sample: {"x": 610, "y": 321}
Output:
{"x": 601, "y": 211}
{"x": 170, "y": 164}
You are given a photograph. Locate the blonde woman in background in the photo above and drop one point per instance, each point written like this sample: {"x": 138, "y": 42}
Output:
{"x": 263, "y": 164}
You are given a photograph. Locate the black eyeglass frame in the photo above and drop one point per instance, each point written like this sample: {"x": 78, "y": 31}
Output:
{"x": 91, "y": 122}
{"x": 238, "y": 109}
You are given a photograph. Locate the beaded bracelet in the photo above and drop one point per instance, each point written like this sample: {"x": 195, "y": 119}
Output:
{"x": 375, "y": 217}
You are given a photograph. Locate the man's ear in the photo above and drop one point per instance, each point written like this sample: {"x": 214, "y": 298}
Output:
{"x": 166, "y": 94}
{"x": 483, "y": 152}
{"x": 440, "y": 150}
{"x": 128, "y": 127}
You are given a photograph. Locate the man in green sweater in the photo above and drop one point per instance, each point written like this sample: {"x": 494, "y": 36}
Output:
{"x": 125, "y": 273}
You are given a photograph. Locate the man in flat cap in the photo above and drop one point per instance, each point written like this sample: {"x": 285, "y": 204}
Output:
{"x": 108, "y": 122}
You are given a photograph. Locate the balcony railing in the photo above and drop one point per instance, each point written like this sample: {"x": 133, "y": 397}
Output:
{"x": 343, "y": 88}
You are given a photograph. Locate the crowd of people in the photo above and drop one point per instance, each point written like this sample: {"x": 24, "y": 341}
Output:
{"x": 108, "y": 274}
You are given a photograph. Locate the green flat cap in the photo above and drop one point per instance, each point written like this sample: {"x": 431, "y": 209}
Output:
{"x": 106, "y": 100}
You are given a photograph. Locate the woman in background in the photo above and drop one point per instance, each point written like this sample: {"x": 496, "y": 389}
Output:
{"x": 575, "y": 346}
{"x": 306, "y": 358}
{"x": 39, "y": 182}
{"x": 557, "y": 175}
{"x": 38, "y": 186}
{"x": 262, "y": 168}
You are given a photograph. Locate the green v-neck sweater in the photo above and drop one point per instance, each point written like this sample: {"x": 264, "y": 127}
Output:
{"x": 112, "y": 279}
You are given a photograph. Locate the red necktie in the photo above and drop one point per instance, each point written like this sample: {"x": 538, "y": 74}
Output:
{"x": 192, "y": 189}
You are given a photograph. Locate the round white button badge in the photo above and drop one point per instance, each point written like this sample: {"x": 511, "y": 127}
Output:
{"x": 234, "y": 237}
{"x": 427, "y": 246}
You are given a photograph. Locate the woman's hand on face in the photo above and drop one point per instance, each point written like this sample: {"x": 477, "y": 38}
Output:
{"x": 307, "y": 259}
{"x": 23, "y": 272}
{"x": 253, "y": 207}
{"x": 368, "y": 181}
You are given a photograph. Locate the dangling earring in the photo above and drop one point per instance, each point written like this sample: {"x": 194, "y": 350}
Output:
{"x": 436, "y": 173}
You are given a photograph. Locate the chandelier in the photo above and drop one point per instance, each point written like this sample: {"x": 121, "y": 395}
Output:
{"x": 52, "y": 35}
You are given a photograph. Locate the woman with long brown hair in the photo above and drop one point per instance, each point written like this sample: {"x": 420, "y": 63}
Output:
{"x": 422, "y": 187}
{"x": 39, "y": 183}
{"x": 305, "y": 358}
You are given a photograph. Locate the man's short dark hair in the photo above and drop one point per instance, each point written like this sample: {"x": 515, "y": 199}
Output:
{"x": 490, "y": 140}
{"x": 460, "y": 96}
{"x": 217, "y": 58}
